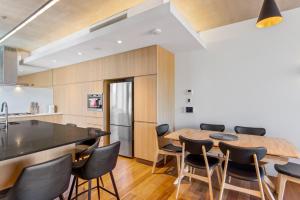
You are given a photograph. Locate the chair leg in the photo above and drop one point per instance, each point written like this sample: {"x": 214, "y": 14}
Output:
{"x": 114, "y": 185}
{"x": 72, "y": 187}
{"x": 282, "y": 183}
{"x": 218, "y": 175}
{"x": 61, "y": 197}
{"x": 90, "y": 190}
{"x": 210, "y": 187}
{"x": 178, "y": 164}
{"x": 154, "y": 162}
{"x": 98, "y": 188}
{"x": 267, "y": 190}
{"x": 165, "y": 159}
{"x": 179, "y": 181}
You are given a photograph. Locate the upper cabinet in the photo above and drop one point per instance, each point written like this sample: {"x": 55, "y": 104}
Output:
{"x": 41, "y": 79}
{"x": 145, "y": 95}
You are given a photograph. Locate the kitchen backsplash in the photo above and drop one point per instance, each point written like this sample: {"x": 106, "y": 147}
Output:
{"x": 19, "y": 98}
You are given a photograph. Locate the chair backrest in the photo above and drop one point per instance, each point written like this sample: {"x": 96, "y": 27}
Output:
{"x": 101, "y": 161}
{"x": 70, "y": 124}
{"x": 47, "y": 180}
{"x": 243, "y": 155}
{"x": 250, "y": 130}
{"x": 195, "y": 146}
{"x": 162, "y": 129}
{"x": 212, "y": 127}
{"x": 91, "y": 148}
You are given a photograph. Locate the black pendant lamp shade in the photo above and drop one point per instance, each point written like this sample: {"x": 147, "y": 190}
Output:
{"x": 269, "y": 15}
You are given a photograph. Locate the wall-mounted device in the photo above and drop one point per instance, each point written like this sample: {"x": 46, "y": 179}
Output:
{"x": 189, "y": 91}
{"x": 95, "y": 102}
{"x": 189, "y": 109}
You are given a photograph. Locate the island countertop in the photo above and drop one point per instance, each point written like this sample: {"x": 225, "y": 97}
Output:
{"x": 27, "y": 137}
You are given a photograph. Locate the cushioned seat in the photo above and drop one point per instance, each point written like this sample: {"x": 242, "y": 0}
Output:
{"x": 171, "y": 148}
{"x": 197, "y": 161}
{"x": 289, "y": 169}
{"x": 243, "y": 171}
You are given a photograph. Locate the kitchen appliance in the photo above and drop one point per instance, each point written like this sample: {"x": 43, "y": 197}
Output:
{"x": 121, "y": 119}
{"x": 95, "y": 102}
{"x": 8, "y": 65}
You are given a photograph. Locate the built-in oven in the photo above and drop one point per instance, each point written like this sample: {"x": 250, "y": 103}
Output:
{"x": 95, "y": 102}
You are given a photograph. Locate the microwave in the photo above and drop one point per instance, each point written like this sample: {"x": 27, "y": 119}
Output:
{"x": 95, "y": 102}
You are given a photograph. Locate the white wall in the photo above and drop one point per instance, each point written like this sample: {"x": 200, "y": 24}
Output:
{"x": 246, "y": 76}
{"x": 19, "y": 98}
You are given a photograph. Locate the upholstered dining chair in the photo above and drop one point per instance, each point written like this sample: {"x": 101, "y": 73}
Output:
{"x": 194, "y": 154}
{"x": 287, "y": 172}
{"x": 250, "y": 130}
{"x": 212, "y": 127}
{"x": 243, "y": 163}
{"x": 166, "y": 150}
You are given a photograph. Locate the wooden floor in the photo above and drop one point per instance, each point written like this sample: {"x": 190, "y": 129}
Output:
{"x": 135, "y": 181}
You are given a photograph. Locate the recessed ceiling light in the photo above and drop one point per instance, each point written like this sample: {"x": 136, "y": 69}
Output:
{"x": 156, "y": 31}
{"x": 54, "y": 61}
{"x": 79, "y": 53}
{"x": 119, "y": 41}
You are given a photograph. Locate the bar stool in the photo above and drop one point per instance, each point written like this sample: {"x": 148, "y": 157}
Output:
{"x": 167, "y": 149}
{"x": 287, "y": 172}
{"x": 47, "y": 180}
{"x": 212, "y": 127}
{"x": 100, "y": 162}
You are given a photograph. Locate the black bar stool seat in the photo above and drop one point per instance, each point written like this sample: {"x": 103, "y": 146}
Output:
{"x": 171, "y": 148}
{"x": 243, "y": 171}
{"x": 290, "y": 169}
{"x": 197, "y": 161}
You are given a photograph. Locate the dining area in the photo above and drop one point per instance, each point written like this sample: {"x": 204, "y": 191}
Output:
{"x": 232, "y": 158}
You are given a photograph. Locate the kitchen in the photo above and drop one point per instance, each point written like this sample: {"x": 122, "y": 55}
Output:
{"x": 110, "y": 85}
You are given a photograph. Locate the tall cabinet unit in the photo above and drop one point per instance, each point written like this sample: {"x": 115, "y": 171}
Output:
{"x": 153, "y": 104}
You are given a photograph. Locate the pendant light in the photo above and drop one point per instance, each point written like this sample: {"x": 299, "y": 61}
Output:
{"x": 269, "y": 15}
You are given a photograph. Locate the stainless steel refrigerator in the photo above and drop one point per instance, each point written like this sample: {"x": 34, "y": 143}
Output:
{"x": 121, "y": 120}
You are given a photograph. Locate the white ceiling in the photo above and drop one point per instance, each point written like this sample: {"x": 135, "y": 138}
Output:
{"x": 135, "y": 32}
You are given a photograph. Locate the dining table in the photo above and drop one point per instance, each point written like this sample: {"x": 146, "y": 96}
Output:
{"x": 279, "y": 150}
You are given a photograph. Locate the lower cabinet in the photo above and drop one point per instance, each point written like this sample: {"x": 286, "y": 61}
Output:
{"x": 144, "y": 140}
{"x": 45, "y": 118}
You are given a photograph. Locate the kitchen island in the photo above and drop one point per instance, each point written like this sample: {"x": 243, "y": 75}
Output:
{"x": 30, "y": 142}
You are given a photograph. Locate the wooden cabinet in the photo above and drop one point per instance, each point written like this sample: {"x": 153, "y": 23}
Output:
{"x": 145, "y": 98}
{"x": 41, "y": 79}
{"x": 144, "y": 140}
{"x": 56, "y": 118}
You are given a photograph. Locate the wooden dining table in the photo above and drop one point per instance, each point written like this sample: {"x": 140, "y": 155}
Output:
{"x": 279, "y": 150}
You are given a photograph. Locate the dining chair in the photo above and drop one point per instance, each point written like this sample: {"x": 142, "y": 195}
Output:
{"x": 212, "y": 127}
{"x": 287, "y": 172}
{"x": 250, "y": 130}
{"x": 167, "y": 149}
{"x": 100, "y": 162}
{"x": 194, "y": 154}
{"x": 243, "y": 163}
{"x": 47, "y": 180}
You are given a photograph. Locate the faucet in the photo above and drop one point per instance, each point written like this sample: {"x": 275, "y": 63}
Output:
{"x": 5, "y": 106}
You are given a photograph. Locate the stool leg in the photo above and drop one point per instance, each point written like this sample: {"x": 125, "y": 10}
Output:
{"x": 282, "y": 183}
{"x": 76, "y": 189}
{"x": 114, "y": 185}
{"x": 98, "y": 188}
{"x": 89, "y": 190}
{"x": 102, "y": 182}
{"x": 61, "y": 197}
{"x": 72, "y": 187}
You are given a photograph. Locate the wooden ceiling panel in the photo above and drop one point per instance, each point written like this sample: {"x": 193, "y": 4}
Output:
{"x": 208, "y": 14}
{"x": 69, "y": 16}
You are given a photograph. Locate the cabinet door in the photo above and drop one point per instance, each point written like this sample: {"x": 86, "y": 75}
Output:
{"x": 145, "y": 99}
{"x": 144, "y": 140}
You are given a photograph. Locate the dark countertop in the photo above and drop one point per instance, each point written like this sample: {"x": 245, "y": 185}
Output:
{"x": 28, "y": 137}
